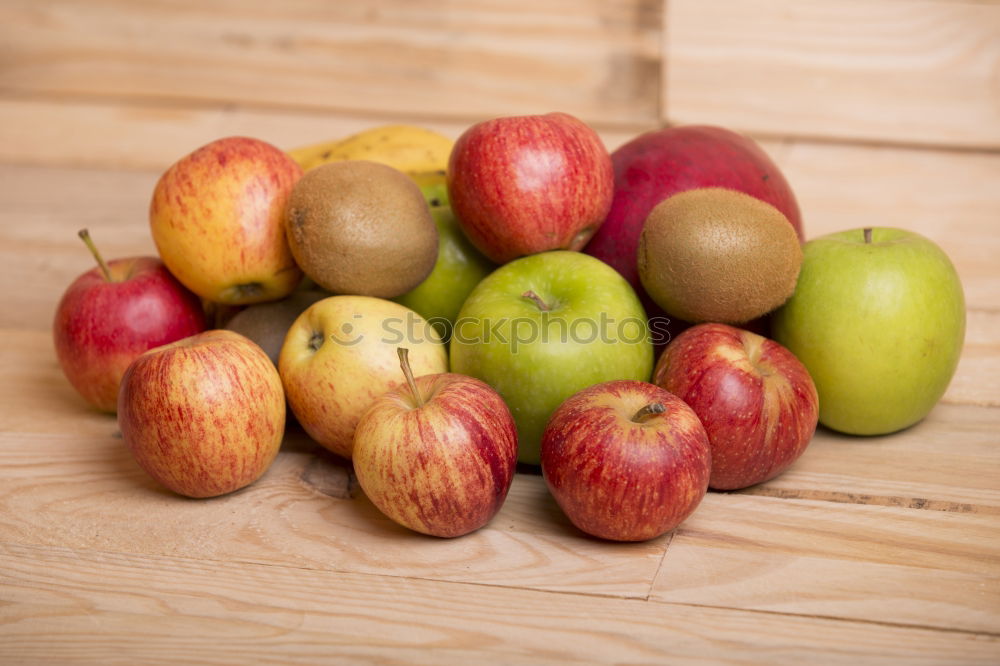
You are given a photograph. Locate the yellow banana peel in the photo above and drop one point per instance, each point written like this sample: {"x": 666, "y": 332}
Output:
{"x": 404, "y": 147}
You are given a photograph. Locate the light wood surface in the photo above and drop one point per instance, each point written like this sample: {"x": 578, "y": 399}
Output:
{"x": 866, "y": 551}
{"x": 913, "y": 71}
{"x": 479, "y": 59}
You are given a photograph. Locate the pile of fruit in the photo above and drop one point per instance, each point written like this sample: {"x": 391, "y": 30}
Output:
{"x": 642, "y": 325}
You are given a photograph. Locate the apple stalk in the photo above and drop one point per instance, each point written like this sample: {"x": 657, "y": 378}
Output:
{"x": 84, "y": 235}
{"x": 648, "y": 411}
{"x": 532, "y": 296}
{"x": 404, "y": 363}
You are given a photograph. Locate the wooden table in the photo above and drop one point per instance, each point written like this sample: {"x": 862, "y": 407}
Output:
{"x": 867, "y": 551}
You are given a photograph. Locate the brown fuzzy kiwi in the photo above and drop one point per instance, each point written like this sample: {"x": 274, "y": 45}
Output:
{"x": 718, "y": 255}
{"x": 358, "y": 227}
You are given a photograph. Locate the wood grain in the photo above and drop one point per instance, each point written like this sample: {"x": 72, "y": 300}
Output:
{"x": 977, "y": 379}
{"x": 915, "y": 72}
{"x": 43, "y": 209}
{"x": 86, "y": 492}
{"x": 597, "y": 60}
{"x": 933, "y": 568}
{"x": 96, "y": 607}
{"x": 152, "y": 135}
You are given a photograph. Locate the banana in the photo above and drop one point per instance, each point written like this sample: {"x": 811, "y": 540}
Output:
{"x": 306, "y": 155}
{"x": 404, "y": 147}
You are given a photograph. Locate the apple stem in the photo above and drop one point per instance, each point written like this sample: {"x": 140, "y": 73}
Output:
{"x": 542, "y": 305}
{"x": 652, "y": 409}
{"x": 404, "y": 363}
{"x": 89, "y": 242}
{"x": 868, "y": 235}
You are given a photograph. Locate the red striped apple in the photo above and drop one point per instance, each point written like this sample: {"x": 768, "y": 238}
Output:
{"x": 526, "y": 184}
{"x": 757, "y": 401}
{"x": 217, "y": 218}
{"x": 626, "y": 460}
{"x": 113, "y": 313}
{"x": 438, "y": 454}
{"x": 204, "y": 416}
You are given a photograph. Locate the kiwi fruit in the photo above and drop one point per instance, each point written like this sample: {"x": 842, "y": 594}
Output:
{"x": 718, "y": 255}
{"x": 359, "y": 227}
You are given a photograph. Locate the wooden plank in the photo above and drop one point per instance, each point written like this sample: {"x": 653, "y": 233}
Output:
{"x": 919, "y": 72}
{"x": 977, "y": 379}
{"x": 878, "y": 563}
{"x": 947, "y": 462}
{"x": 152, "y": 135}
{"x": 37, "y": 397}
{"x": 90, "y": 607}
{"x": 484, "y": 58}
{"x": 85, "y": 491}
{"x": 944, "y": 195}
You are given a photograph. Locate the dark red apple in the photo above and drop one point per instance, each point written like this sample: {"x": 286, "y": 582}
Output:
{"x": 437, "y": 454}
{"x": 626, "y": 460}
{"x": 114, "y": 312}
{"x": 756, "y": 400}
{"x": 657, "y": 164}
{"x": 525, "y": 184}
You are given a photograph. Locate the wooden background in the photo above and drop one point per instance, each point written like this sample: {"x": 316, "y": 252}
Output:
{"x": 879, "y": 112}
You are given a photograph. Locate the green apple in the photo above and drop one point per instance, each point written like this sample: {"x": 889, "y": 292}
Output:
{"x": 878, "y": 319}
{"x": 458, "y": 269}
{"x": 546, "y": 326}
{"x": 433, "y": 185}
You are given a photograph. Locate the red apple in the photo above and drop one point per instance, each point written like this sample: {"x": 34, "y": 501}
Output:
{"x": 626, "y": 460}
{"x": 757, "y": 401}
{"x": 114, "y": 312}
{"x": 204, "y": 416}
{"x": 525, "y": 184}
{"x": 657, "y": 164}
{"x": 438, "y": 454}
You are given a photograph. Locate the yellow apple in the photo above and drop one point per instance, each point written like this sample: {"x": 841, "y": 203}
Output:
{"x": 217, "y": 221}
{"x": 340, "y": 355}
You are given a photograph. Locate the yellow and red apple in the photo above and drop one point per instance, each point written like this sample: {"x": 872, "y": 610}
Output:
{"x": 438, "y": 454}
{"x": 205, "y": 415}
{"x": 217, "y": 220}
